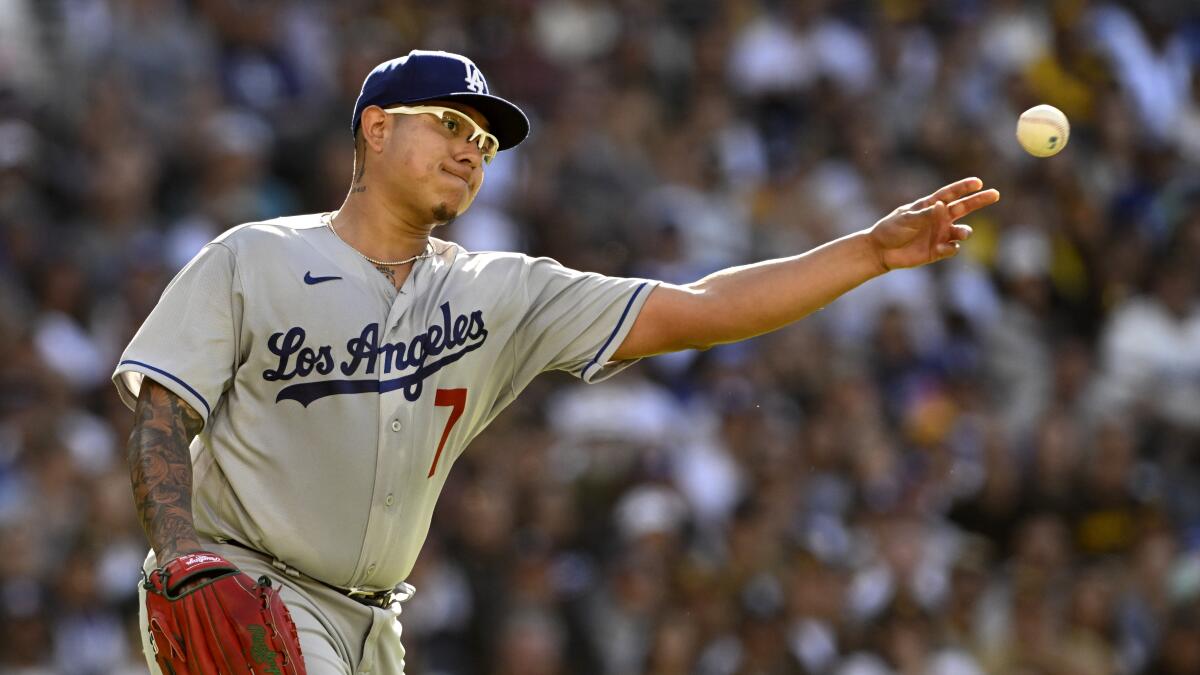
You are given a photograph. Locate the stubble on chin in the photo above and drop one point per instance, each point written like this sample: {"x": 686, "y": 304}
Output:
{"x": 443, "y": 214}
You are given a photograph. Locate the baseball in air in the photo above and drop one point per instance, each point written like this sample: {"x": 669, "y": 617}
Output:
{"x": 1043, "y": 130}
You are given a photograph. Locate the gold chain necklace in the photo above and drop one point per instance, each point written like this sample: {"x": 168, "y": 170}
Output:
{"x": 328, "y": 220}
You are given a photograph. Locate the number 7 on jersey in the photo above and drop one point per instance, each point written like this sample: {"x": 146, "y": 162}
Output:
{"x": 456, "y": 399}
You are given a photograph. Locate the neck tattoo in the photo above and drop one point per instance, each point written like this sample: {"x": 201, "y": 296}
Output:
{"x": 387, "y": 272}
{"x": 381, "y": 265}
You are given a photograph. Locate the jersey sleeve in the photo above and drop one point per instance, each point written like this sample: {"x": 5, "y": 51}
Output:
{"x": 189, "y": 342}
{"x": 574, "y": 321}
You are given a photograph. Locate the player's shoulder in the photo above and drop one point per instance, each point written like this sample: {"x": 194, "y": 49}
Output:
{"x": 456, "y": 256}
{"x": 270, "y": 234}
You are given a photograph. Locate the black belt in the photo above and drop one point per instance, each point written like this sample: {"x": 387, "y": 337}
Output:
{"x": 382, "y": 599}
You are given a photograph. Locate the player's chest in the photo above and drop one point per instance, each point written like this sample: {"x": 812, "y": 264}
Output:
{"x": 351, "y": 337}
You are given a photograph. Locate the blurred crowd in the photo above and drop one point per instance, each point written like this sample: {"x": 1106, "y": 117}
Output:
{"x": 988, "y": 465}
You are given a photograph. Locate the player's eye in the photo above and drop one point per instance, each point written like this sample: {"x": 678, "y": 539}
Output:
{"x": 489, "y": 148}
{"x": 460, "y": 125}
{"x": 457, "y": 124}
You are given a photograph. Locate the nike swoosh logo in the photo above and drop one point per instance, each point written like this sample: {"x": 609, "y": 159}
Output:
{"x": 313, "y": 281}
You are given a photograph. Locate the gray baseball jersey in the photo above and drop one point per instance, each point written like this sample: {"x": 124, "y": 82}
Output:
{"x": 334, "y": 406}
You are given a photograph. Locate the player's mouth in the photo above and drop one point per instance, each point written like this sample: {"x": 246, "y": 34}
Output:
{"x": 464, "y": 177}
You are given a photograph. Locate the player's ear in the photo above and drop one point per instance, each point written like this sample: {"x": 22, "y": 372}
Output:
{"x": 373, "y": 126}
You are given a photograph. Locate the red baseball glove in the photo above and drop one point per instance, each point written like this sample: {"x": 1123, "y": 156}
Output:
{"x": 208, "y": 618}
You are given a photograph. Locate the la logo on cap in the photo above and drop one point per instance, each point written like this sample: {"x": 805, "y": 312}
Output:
{"x": 475, "y": 81}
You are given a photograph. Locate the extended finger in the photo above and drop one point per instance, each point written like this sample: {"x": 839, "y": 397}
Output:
{"x": 972, "y": 203}
{"x": 937, "y": 211}
{"x": 953, "y": 191}
{"x": 947, "y": 249}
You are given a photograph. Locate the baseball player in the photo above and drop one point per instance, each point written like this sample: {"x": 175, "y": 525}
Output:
{"x": 305, "y": 384}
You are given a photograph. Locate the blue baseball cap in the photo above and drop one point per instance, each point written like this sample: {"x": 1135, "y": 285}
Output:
{"x": 427, "y": 76}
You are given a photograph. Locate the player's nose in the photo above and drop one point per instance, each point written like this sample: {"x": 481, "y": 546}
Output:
{"x": 464, "y": 166}
{"x": 469, "y": 153}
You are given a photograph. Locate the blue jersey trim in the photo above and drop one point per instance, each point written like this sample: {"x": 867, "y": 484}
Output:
{"x": 185, "y": 385}
{"x": 617, "y": 329}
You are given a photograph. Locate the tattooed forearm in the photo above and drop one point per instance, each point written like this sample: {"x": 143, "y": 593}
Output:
{"x": 160, "y": 468}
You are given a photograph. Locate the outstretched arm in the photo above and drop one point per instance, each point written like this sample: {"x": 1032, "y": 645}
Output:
{"x": 160, "y": 467}
{"x": 742, "y": 302}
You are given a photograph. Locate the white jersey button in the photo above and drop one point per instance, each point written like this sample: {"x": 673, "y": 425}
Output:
{"x": 395, "y": 425}
{"x": 371, "y": 568}
{"x": 391, "y": 499}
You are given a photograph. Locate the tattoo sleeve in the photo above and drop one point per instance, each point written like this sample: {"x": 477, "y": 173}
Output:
{"x": 160, "y": 467}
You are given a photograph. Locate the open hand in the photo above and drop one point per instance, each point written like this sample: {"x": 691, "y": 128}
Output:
{"x": 924, "y": 231}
